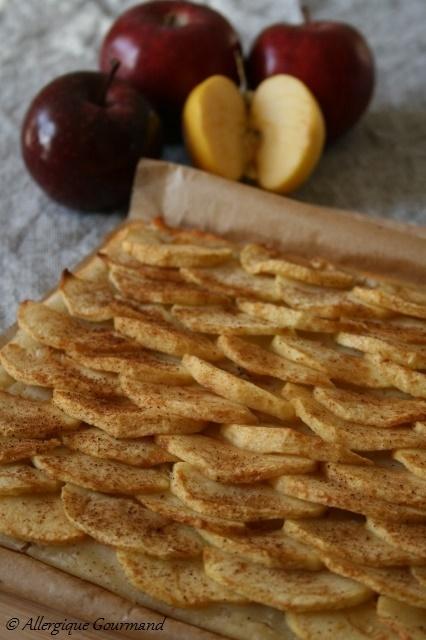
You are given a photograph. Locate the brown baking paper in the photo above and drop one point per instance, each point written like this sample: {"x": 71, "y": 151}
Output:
{"x": 188, "y": 197}
{"x": 25, "y": 577}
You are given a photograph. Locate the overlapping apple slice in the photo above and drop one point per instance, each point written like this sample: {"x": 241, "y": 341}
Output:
{"x": 167, "y": 337}
{"x": 336, "y": 535}
{"x": 37, "y": 518}
{"x": 171, "y": 507}
{"x": 401, "y": 300}
{"x": 46, "y": 367}
{"x": 270, "y": 548}
{"x": 264, "y": 363}
{"x": 120, "y": 417}
{"x": 356, "y": 623}
{"x": 220, "y": 320}
{"x": 394, "y": 582}
{"x": 282, "y": 317}
{"x": 405, "y": 620}
{"x": 99, "y": 301}
{"x": 283, "y": 589}
{"x": 222, "y": 462}
{"x": 19, "y": 479}
{"x": 257, "y": 259}
{"x": 176, "y": 255}
{"x": 54, "y": 329}
{"x": 232, "y": 280}
{"x": 331, "y": 494}
{"x": 138, "y": 452}
{"x": 180, "y": 583}
{"x": 336, "y": 430}
{"x": 235, "y": 389}
{"x": 248, "y": 503}
{"x": 101, "y": 475}
{"x": 390, "y": 484}
{"x": 405, "y": 537}
{"x": 14, "y": 449}
{"x": 26, "y": 418}
{"x": 161, "y": 291}
{"x": 407, "y": 355}
{"x": 377, "y": 411}
{"x": 124, "y": 523}
{"x": 272, "y": 438}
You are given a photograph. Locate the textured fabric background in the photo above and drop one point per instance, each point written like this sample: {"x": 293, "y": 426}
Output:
{"x": 379, "y": 168}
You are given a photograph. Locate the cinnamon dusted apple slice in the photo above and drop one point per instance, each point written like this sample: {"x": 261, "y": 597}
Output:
{"x": 178, "y": 582}
{"x": 336, "y": 535}
{"x": 283, "y": 589}
{"x": 46, "y": 367}
{"x": 27, "y": 418}
{"x": 248, "y": 503}
{"x": 269, "y": 548}
{"x": 404, "y": 536}
{"x": 137, "y": 452}
{"x": 367, "y": 409}
{"x": 393, "y": 582}
{"x": 233, "y": 388}
{"x": 37, "y": 518}
{"x": 355, "y": 623}
{"x": 16, "y": 449}
{"x": 18, "y": 479}
{"x": 277, "y": 139}
{"x": 336, "y": 430}
{"x": 119, "y": 417}
{"x": 106, "y": 476}
{"x": 124, "y": 523}
{"x": 170, "y": 506}
{"x": 330, "y": 493}
{"x": 227, "y": 464}
{"x": 406, "y": 620}
{"x": 266, "y": 438}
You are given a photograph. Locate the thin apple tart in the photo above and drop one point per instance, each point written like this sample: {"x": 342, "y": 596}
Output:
{"x": 229, "y": 435}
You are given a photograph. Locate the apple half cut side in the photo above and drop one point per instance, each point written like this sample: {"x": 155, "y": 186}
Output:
{"x": 214, "y": 127}
{"x": 274, "y": 136}
{"x": 292, "y": 133}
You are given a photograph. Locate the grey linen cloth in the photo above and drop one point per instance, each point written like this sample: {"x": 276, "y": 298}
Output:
{"x": 378, "y": 169}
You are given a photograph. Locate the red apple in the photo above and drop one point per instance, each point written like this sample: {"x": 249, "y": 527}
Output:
{"x": 331, "y": 58}
{"x": 167, "y": 47}
{"x": 83, "y": 136}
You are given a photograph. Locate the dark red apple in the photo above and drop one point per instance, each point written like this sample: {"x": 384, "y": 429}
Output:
{"x": 331, "y": 58}
{"x": 83, "y": 136}
{"x": 167, "y": 47}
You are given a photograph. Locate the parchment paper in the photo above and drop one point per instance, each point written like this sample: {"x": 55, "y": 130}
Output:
{"x": 25, "y": 577}
{"x": 190, "y": 197}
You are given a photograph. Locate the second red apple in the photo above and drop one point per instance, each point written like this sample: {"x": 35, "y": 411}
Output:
{"x": 333, "y": 59}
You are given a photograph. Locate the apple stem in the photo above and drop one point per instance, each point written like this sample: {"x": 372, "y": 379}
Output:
{"x": 115, "y": 65}
{"x": 306, "y": 13}
{"x": 170, "y": 20}
{"x": 241, "y": 71}
{"x": 175, "y": 20}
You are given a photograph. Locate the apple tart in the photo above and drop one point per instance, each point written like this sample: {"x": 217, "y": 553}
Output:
{"x": 228, "y": 435}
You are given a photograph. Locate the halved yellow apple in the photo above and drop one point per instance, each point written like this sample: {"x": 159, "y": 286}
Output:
{"x": 275, "y": 136}
{"x": 214, "y": 124}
